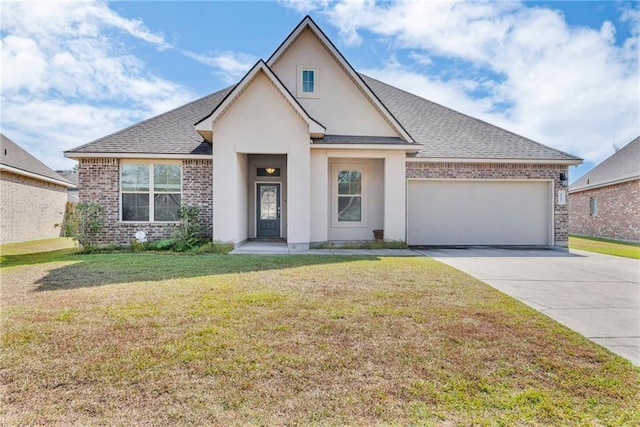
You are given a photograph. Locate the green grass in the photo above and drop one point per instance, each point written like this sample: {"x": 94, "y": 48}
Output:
{"x": 605, "y": 246}
{"x": 165, "y": 339}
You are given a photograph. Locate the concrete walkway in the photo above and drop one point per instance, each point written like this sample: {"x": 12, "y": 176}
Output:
{"x": 281, "y": 248}
{"x": 593, "y": 294}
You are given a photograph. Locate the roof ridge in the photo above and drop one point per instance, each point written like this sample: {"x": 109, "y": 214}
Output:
{"x": 33, "y": 168}
{"x": 147, "y": 120}
{"x": 470, "y": 117}
{"x": 581, "y": 183}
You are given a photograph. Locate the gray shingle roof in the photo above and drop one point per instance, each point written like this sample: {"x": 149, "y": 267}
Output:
{"x": 623, "y": 165}
{"x": 172, "y": 132}
{"x": 444, "y": 133}
{"x": 353, "y": 139}
{"x": 13, "y": 155}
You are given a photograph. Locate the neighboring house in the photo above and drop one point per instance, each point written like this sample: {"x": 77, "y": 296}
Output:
{"x": 307, "y": 150}
{"x": 605, "y": 202}
{"x": 32, "y": 196}
{"x": 71, "y": 175}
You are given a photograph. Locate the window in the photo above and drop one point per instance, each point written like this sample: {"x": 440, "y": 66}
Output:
{"x": 307, "y": 82}
{"x": 349, "y": 195}
{"x": 151, "y": 192}
{"x": 593, "y": 206}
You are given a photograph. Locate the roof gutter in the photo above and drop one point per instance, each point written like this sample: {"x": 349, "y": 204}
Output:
{"x": 36, "y": 176}
{"x": 75, "y": 155}
{"x": 414, "y": 148}
{"x": 569, "y": 162}
{"x": 604, "y": 184}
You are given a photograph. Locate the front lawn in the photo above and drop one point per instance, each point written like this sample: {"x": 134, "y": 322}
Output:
{"x": 162, "y": 339}
{"x": 605, "y": 246}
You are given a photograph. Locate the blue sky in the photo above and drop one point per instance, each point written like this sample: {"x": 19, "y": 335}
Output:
{"x": 565, "y": 74}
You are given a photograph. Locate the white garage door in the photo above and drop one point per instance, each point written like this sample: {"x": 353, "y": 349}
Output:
{"x": 458, "y": 212}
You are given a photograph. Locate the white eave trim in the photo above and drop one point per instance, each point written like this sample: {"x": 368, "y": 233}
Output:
{"x": 604, "y": 184}
{"x": 72, "y": 155}
{"x": 488, "y": 160}
{"x": 396, "y": 147}
{"x": 316, "y": 130}
{"x": 35, "y": 176}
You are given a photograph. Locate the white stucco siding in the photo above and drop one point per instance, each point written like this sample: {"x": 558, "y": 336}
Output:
{"x": 340, "y": 106}
{"x": 373, "y": 199}
{"x": 260, "y": 121}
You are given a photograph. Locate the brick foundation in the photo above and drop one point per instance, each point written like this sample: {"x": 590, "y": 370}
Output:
{"x": 99, "y": 181}
{"x": 502, "y": 171}
{"x": 618, "y": 212}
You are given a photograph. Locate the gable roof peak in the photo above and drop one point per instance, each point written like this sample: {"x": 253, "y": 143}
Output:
{"x": 308, "y": 23}
{"x": 204, "y": 126}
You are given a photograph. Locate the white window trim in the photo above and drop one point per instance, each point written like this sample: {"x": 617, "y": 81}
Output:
{"x": 316, "y": 83}
{"x": 364, "y": 204}
{"x": 149, "y": 162}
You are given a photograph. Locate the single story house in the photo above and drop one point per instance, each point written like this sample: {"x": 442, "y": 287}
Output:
{"x": 32, "y": 196}
{"x": 605, "y": 202}
{"x": 305, "y": 149}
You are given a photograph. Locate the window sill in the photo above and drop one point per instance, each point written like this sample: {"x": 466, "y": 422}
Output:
{"x": 346, "y": 224}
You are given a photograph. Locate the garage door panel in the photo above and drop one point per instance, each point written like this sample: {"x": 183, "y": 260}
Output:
{"x": 479, "y": 212}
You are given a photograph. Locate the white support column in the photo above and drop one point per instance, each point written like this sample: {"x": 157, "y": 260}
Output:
{"x": 299, "y": 195}
{"x": 319, "y": 196}
{"x": 226, "y": 195}
{"x": 395, "y": 196}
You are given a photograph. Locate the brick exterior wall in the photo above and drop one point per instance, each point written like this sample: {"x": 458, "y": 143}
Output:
{"x": 99, "y": 181}
{"x": 502, "y": 171}
{"x": 618, "y": 212}
{"x": 30, "y": 208}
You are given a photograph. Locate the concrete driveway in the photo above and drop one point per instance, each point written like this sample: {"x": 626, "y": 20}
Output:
{"x": 595, "y": 295}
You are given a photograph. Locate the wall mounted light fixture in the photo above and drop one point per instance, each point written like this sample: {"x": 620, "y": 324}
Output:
{"x": 564, "y": 181}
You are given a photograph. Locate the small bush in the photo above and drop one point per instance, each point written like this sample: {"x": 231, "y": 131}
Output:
{"x": 215, "y": 247}
{"x": 395, "y": 244}
{"x": 84, "y": 222}
{"x": 162, "y": 245}
{"x": 188, "y": 233}
{"x": 137, "y": 246}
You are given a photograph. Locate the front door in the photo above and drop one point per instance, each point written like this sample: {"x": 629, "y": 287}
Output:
{"x": 268, "y": 211}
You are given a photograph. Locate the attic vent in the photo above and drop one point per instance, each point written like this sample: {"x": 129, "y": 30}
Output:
{"x": 587, "y": 180}
{"x": 5, "y": 151}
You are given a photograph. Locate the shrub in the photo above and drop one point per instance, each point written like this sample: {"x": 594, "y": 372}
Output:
{"x": 137, "y": 246}
{"x": 188, "y": 233}
{"x": 84, "y": 224}
{"x": 215, "y": 247}
{"x": 162, "y": 245}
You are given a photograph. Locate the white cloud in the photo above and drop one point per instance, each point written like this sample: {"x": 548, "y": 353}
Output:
{"x": 573, "y": 88}
{"x": 230, "y": 66}
{"x": 68, "y": 76}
